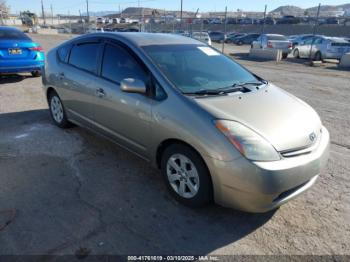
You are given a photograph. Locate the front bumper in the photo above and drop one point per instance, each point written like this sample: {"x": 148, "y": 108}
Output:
{"x": 263, "y": 186}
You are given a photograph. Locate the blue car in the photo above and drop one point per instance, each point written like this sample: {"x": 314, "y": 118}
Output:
{"x": 18, "y": 53}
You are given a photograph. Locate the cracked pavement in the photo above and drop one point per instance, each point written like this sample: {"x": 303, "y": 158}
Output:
{"x": 71, "y": 188}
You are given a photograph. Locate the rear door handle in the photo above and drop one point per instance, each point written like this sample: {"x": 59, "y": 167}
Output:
{"x": 100, "y": 92}
{"x": 61, "y": 75}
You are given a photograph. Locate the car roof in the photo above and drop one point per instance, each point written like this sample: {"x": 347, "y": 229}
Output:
{"x": 147, "y": 39}
{"x": 9, "y": 28}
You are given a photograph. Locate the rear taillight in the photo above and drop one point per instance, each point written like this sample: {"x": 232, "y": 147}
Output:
{"x": 269, "y": 45}
{"x": 36, "y": 48}
{"x": 290, "y": 45}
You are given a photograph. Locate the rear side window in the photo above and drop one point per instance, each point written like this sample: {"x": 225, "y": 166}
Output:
{"x": 118, "y": 64}
{"x": 84, "y": 56}
{"x": 13, "y": 35}
{"x": 63, "y": 52}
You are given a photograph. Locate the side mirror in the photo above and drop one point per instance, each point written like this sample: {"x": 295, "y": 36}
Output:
{"x": 131, "y": 85}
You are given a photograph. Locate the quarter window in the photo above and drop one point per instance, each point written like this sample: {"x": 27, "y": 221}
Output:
{"x": 84, "y": 56}
{"x": 118, "y": 64}
{"x": 62, "y": 53}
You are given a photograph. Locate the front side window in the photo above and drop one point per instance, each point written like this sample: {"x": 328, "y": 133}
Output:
{"x": 118, "y": 64}
{"x": 84, "y": 56}
{"x": 192, "y": 68}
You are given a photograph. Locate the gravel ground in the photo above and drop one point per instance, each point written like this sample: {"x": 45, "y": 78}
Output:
{"x": 62, "y": 190}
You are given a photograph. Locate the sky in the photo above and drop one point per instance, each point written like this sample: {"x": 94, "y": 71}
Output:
{"x": 73, "y": 6}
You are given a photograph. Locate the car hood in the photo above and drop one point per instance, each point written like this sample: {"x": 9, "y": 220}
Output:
{"x": 282, "y": 119}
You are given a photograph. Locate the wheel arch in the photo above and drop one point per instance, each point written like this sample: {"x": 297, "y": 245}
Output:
{"x": 49, "y": 90}
{"x": 171, "y": 141}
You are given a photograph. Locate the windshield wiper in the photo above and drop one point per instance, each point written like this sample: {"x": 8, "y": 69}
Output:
{"x": 236, "y": 87}
{"x": 241, "y": 86}
{"x": 206, "y": 92}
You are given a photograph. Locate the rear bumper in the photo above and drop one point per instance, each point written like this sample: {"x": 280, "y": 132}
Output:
{"x": 263, "y": 186}
{"x": 37, "y": 66}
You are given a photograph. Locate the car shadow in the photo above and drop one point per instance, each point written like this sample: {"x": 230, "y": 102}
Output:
{"x": 86, "y": 190}
{"x": 12, "y": 78}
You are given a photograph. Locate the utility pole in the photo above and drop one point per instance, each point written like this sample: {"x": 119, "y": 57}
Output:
{"x": 51, "y": 14}
{"x": 42, "y": 10}
{"x": 225, "y": 23}
{"x": 263, "y": 27}
{"x": 87, "y": 11}
{"x": 314, "y": 31}
{"x": 181, "y": 16}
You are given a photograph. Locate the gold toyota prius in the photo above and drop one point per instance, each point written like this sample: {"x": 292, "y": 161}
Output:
{"x": 216, "y": 131}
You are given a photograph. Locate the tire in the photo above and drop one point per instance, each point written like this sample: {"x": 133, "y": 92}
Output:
{"x": 284, "y": 55}
{"x": 36, "y": 73}
{"x": 296, "y": 53}
{"x": 57, "y": 111}
{"x": 186, "y": 176}
{"x": 318, "y": 56}
{"x": 240, "y": 43}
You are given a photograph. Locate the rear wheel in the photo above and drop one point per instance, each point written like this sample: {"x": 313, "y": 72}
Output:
{"x": 57, "y": 111}
{"x": 284, "y": 55}
{"x": 186, "y": 175}
{"x": 296, "y": 53}
{"x": 36, "y": 73}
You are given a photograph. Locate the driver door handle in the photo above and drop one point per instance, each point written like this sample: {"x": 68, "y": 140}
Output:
{"x": 100, "y": 92}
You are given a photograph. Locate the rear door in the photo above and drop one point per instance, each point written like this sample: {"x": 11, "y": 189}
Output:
{"x": 77, "y": 78}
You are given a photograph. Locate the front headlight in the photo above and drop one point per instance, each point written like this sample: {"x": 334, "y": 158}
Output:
{"x": 248, "y": 143}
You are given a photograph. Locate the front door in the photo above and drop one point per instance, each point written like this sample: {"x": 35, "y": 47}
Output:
{"x": 124, "y": 117}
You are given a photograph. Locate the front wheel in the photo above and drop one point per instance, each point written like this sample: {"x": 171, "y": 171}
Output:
{"x": 318, "y": 56}
{"x": 57, "y": 111}
{"x": 186, "y": 175}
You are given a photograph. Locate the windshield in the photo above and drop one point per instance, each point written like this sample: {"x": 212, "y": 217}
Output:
{"x": 192, "y": 68}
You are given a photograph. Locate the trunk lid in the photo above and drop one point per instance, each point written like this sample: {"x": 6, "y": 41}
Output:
{"x": 17, "y": 50}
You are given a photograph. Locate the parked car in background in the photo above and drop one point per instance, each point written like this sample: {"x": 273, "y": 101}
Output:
{"x": 216, "y": 21}
{"x": 323, "y": 47}
{"x": 247, "y": 39}
{"x": 18, "y": 53}
{"x": 202, "y": 36}
{"x": 231, "y": 37}
{"x": 298, "y": 39}
{"x": 217, "y": 36}
{"x": 115, "y": 21}
{"x": 274, "y": 41}
{"x": 288, "y": 19}
{"x": 100, "y": 20}
{"x": 215, "y": 130}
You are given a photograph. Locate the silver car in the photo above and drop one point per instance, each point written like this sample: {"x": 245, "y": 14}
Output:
{"x": 215, "y": 130}
{"x": 322, "y": 48}
{"x": 202, "y": 36}
{"x": 273, "y": 41}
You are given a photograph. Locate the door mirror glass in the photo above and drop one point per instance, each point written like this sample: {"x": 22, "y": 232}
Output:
{"x": 131, "y": 85}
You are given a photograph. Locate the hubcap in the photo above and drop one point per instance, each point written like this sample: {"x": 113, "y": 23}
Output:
{"x": 56, "y": 109}
{"x": 182, "y": 175}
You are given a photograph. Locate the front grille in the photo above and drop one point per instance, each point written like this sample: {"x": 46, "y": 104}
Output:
{"x": 297, "y": 152}
{"x": 302, "y": 150}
